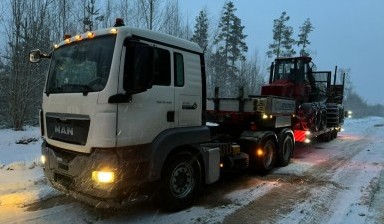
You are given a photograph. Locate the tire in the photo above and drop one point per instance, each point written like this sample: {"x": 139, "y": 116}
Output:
{"x": 328, "y": 136}
{"x": 335, "y": 132}
{"x": 325, "y": 137}
{"x": 286, "y": 148}
{"x": 181, "y": 182}
{"x": 263, "y": 164}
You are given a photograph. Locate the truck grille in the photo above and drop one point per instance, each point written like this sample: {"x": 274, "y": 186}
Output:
{"x": 70, "y": 128}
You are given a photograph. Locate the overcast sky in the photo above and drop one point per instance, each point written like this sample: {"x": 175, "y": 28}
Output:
{"x": 347, "y": 33}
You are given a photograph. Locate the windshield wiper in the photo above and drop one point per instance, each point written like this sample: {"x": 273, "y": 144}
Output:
{"x": 54, "y": 90}
{"x": 72, "y": 88}
{"x": 86, "y": 89}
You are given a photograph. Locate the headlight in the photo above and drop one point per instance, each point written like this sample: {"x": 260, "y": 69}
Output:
{"x": 43, "y": 159}
{"x": 103, "y": 176}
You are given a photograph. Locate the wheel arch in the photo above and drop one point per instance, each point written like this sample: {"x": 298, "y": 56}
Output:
{"x": 173, "y": 141}
{"x": 259, "y": 136}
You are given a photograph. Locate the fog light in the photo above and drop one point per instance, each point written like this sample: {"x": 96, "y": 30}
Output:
{"x": 103, "y": 176}
{"x": 43, "y": 159}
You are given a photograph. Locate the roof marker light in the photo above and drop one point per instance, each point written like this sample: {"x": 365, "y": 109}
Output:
{"x": 78, "y": 37}
{"x": 90, "y": 35}
{"x": 113, "y": 30}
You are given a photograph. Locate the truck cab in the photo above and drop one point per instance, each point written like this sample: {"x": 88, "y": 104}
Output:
{"x": 118, "y": 103}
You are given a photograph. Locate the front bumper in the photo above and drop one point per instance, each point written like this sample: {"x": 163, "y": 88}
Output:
{"x": 71, "y": 173}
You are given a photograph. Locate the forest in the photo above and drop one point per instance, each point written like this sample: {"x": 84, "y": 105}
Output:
{"x": 26, "y": 25}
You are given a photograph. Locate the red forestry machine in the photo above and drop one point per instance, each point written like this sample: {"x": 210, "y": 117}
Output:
{"x": 319, "y": 109}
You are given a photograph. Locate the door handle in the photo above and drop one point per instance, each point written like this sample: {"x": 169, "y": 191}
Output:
{"x": 171, "y": 116}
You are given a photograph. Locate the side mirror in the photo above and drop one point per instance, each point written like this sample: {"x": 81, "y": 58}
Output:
{"x": 35, "y": 56}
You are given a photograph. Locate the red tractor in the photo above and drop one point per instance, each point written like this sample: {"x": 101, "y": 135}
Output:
{"x": 318, "y": 102}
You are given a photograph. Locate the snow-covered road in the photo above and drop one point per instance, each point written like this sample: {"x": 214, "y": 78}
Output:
{"x": 341, "y": 181}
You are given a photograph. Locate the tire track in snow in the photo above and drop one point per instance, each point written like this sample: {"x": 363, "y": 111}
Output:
{"x": 317, "y": 194}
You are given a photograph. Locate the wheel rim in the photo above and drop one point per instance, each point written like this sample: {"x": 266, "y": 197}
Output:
{"x": 182, "y": 181}
{"x": 269, "y": 150}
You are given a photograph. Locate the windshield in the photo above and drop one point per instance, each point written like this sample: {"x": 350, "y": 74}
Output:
{"x": 81, "y": 67}
{"x": 295, "y": 71}
{"x": 285, "y": 70}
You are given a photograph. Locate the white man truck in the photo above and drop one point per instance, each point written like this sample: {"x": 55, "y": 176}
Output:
{"x": 125, "y": 114}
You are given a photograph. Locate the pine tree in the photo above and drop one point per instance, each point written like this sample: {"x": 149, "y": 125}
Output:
{"x": 200, "y": 35}
{"x": 282, "y": 38}
{"x": 288, "y": 42}
{"x": 231, "y": 47}
{"x": 304, "y": 36}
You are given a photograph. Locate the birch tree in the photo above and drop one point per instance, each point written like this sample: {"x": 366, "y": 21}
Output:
{"x": 22, "y": 83}
{"x": 172, "y": 22}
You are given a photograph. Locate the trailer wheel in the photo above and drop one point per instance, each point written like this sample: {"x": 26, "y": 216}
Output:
{"x": 180, "y": 183}
{"x": 285, "y": 151}
{"x": 263, "y": 161}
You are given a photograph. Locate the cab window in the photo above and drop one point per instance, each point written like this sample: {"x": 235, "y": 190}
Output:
{"x": 162, "y": 67}
{"x": 179, "y": 69}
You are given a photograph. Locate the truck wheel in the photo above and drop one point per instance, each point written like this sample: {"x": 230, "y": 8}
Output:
{"x": 328, "y": 136}
{"x": 180, "y": 183}
{"x": 285, "y": 151}
{"x": 335, "y": 133}
{"x": 262, "y": 162}
{"x": 325, "y": 137}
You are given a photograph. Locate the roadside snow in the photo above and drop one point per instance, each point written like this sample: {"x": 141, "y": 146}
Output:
{"x": 21, "y": 177}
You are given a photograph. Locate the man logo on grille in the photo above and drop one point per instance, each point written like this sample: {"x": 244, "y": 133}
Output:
{"x": 63, "y": 130}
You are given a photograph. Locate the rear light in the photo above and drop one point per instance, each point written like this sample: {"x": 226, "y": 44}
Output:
{"x": 253, "y": 126}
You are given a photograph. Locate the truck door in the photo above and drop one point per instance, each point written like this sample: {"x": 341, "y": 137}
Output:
{"x": 150, "y": 109}
{"x": 188, "y": 88}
